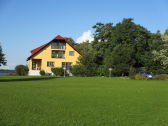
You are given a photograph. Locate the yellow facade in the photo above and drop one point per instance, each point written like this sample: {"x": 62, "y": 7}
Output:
{"x": 45, "y": 55}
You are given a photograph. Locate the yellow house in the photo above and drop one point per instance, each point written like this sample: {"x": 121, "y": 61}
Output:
{"x": 56, "y": 53}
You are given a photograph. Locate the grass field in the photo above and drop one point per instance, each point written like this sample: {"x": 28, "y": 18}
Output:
{"x": 75, "y": 101}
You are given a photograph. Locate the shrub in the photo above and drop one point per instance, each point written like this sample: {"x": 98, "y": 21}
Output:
{"x": 161, "y": 77}
{"x": 21, "y": 70}
{"x": 138, "y": 77}
{"x": 121, "y": 70}
{"x": 42, "y": 72}
{"x": 58, "y": 71}
{"x": 78, "y": 70}
{"x": 132, "y": 71}
{"x": 12, "y": 74}
{"x": 101, "y": 71}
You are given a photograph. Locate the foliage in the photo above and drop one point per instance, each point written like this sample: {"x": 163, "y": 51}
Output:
{"x": 161, "y": 56}
{"x": 161, "y": 77}
{"x": 87, "y": 60}
{"x": 78, "y": 70}
{"x": 132, "y": 71}
{"x": 101, "y": 71}
{"x": 21, "y": 70}
{"x": 84, "y": 47}
{"x": 58, "y": 71}
{"x": 138, "y": 77}
{"x": 124, "y": 46}
{"x": 2, "y": 57}
{"x": 70, "y": 40}
{"x": 42, "y": 72}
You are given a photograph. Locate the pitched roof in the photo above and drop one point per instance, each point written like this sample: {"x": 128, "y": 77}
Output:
{"x": 36, "y": 50}
{"x": 59, "y": 38}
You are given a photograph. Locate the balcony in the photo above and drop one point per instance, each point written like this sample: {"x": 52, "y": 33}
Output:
{"x": 57, "y": 54}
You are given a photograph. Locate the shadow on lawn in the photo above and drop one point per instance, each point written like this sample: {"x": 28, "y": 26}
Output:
{"x": 28, "y": 79}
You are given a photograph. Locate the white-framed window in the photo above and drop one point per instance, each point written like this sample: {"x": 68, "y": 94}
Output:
{"x": 50, "y": 64}
{"x": 57, "y": 45}
{"x": 67, "y": 65}
{"x": 57, "y": 54}
{"x": 71, "y": 53}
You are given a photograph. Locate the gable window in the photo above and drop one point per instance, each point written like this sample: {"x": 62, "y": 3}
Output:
{"x": 57, "y": 45}
{"x": 50, "y": 64}
{"x": 71, "y": 53}
{"x": 67, "y": 65}
{"x": 57, "y": 54}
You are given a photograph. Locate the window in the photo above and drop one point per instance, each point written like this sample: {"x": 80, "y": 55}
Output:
{"x": 57, "y": 54}
{"x": 50, "y": 64}
{"x": 54, "y": 54}
{"x": 67, "y": 65}
{"x": 58, "y": 45}
{"x": 71, "y": 53}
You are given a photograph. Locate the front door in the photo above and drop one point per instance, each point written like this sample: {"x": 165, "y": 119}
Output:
{"x": 34, "y": 65}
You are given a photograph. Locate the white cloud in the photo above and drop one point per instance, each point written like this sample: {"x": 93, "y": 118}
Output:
{"x": 86, "y": 36}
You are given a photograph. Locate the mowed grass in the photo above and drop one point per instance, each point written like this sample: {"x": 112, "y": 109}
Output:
{"x": 87, "y": 101}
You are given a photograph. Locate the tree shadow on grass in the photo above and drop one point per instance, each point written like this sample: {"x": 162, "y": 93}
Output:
{"x": 28, "y": 79}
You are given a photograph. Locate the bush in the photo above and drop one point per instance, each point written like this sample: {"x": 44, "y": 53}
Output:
{"x": 78, "y": 70}
{"x": 138, "y": 77}
{"x": 58, "y": 71}
{"x": 21, "y": 70}
{"x": 161, "y": 77}
{"x": 132, "y": 71}
{"x": 101, "y": 71}
{"x": 12, "y": 74}
{"x": 42, "y": 72}
{"x": 121, "y": 70}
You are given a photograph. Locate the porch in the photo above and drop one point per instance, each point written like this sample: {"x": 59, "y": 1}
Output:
{"x": 36, "y": 64}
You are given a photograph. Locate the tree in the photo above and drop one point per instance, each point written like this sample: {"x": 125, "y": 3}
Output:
{"x": 2, "y": 57}
{"x": 161, "y": 56}
{"x": 21, "y": 70}
{"x": 126, "y": 47}
{"x": 78, "y": 70}
{"x": 84, "y": 47}
{"x": 86, "y": 64}
{"x": 165, "y": 35}
{"x": 70, "y": 40}
{"x": 120, "y": 59}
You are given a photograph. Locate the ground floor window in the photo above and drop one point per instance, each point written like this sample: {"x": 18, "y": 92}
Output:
{"x": 50, "y": 64}
{"x": 67, "y": 65}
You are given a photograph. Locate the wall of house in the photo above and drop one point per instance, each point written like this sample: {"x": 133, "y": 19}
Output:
{"x": 45, "y": 55}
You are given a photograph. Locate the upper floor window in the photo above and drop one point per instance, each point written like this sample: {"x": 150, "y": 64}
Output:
{"x": 57, "y": 54}
{"x": 71, "y": 53}
{"x": 50, "y": 64}
{"x": 57, "y": 45}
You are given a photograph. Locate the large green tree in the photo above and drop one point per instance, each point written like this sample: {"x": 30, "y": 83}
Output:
{"x": 161, "y": 56}
{"x": 86, "y": 62}
{"x": 125, "y": 47}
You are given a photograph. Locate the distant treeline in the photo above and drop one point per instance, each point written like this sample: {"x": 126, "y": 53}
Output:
{"x": 7, "y": 71}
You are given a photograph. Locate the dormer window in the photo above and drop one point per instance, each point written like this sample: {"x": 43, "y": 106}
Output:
{"x": 58, "y": 45}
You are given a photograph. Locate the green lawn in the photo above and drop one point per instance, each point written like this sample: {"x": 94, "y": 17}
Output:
{"x": 76, "y": 101}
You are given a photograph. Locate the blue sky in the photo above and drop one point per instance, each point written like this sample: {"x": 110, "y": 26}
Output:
{"x": 26, "y": 24}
